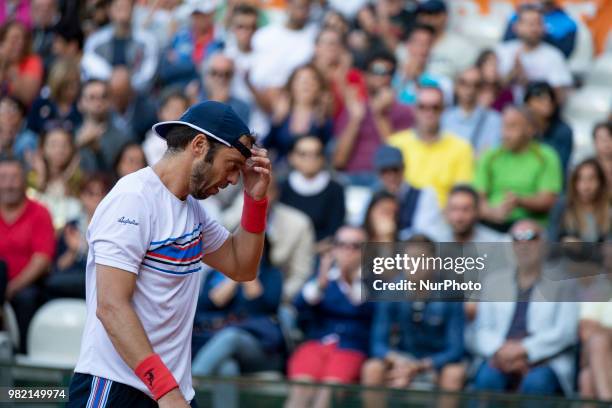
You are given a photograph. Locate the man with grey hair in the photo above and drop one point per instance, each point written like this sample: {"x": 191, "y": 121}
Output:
{"x": 217, "y": 77}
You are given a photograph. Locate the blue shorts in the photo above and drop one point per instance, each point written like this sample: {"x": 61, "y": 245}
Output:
{"x": 88, "y": 391}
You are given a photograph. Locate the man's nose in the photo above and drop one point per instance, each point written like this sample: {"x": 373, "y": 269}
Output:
{"x": 233, "y": 179}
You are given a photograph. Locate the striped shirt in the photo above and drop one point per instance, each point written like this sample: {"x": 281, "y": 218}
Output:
{"x": 142, "y": 228}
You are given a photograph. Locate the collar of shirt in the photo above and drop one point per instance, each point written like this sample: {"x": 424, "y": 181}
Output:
{"x": 309, "y": 187}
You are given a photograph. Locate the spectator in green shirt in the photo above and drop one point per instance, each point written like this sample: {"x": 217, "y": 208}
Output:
{"x": 521, "y": 178}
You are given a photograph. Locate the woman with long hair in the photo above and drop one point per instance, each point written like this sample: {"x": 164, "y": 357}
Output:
{"x": 21, "y": 71}
{"x": 541, "y": 100}
{"x": 304, "y": 110}
{"x": 131, "y": 158}
{"x": 495, "y": 92}
{"x": 57, "y": 104}
{"x": 381, "y": 218}
{"x": 586, "y": 213}
{"x": 56, "y": 177}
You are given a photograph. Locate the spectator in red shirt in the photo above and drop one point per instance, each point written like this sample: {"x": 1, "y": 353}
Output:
{"x": 27, "y": 245}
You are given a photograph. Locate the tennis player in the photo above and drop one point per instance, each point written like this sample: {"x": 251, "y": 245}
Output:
{"x": 147, "y": 240}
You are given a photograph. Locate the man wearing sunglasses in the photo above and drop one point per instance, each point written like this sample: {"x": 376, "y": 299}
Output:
{"x": 479, "y": 125}
{"x": 338, "y": 327}
{"x": 433, "y": 157}
{"x": 217, "y": 78}
{"x": 525, "y": 344}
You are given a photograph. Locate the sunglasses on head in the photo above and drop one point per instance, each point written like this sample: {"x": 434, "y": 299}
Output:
{"x": 525, "y": 236}
{"x": 347, "y": 245}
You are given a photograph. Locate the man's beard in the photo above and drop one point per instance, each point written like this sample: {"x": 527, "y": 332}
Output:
{"x": 197, "y": 182}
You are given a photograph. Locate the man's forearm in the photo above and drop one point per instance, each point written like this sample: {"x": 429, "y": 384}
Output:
{"x": 345, "y": 144}
{"x": 247, "y": 248}
{"x": 34, "y": 270}
{"x": 540, "y": 203}
{"x": 125, "y": 330}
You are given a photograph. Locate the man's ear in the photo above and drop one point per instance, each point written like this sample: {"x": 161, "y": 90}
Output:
{"x": 200, "y": 145}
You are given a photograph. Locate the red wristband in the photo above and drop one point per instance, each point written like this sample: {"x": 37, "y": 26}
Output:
{"x": 155, "y": 375}
{"x": 254, "y": 214}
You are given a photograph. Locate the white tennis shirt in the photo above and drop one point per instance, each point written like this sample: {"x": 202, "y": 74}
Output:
{"x": 142, "y": 228}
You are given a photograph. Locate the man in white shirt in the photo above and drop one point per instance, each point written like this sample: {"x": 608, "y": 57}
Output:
{"x": 120, "y": 43}
{"x": 147, "y": 241}
{"x": 529, "y": 58}
{"x": 243, "y": 26}
{"x": 462, "y": 222}
{"x": 280, "y": 48}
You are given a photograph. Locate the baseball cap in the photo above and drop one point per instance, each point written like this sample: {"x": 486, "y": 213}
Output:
{"x": 387, "y": 157}
{"x": 203, "y": 6}
{"x": 432, "y": 7}
{"x": 216, "y": 120}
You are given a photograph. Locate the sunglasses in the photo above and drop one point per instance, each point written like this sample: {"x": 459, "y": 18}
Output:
{"x": 380, "y": 70}
{"x": 221, "y": 74}
{"x": 433, "y": 108}
{"x": 391, "y": 170}
{"x": 471, "y": 84}
{"x": 525, "y": 236}
{"x": 309, "y": 155}
{"x": 250, "y": 27}
{"x": 347, "y": 245}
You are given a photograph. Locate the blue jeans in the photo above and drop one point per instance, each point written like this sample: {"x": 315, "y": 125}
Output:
{"x": 227, "y": 354}
{"x": 539, "y": 380}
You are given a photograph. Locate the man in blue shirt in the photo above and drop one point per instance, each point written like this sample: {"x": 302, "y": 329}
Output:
{"x": 561, "y": 29}
{"x": 478, "y": 125}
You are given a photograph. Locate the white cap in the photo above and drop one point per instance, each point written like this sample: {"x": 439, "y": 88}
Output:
{"x": 203, "y": 6}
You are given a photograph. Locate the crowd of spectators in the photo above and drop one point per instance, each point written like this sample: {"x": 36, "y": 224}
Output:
{"x": 383, "y": 126}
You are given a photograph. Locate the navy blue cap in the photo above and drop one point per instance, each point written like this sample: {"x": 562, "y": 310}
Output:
{"x": 432, "y": 7}
{"x": 214, "y": 119}
{"x": 388, "y": 157}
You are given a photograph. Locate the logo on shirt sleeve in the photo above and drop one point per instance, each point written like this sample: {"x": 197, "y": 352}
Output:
{"x": 125, "y": 221}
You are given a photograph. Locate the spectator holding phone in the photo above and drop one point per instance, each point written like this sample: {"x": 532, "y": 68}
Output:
{"x": 67, "y": 278}
{"x": 338, "y": 323}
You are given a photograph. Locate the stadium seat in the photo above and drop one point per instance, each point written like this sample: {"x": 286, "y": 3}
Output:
{"x": 600, "y": 73}
{"x": 583, "y": 140}
{"x": 357, "y": 200}
{"x": 583, "y": 109}
{"x": 54, "y": 337}
{"x": 582, "y": 56}
{"x": 483, "y": 31}
{"x": 589, "y": 103}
